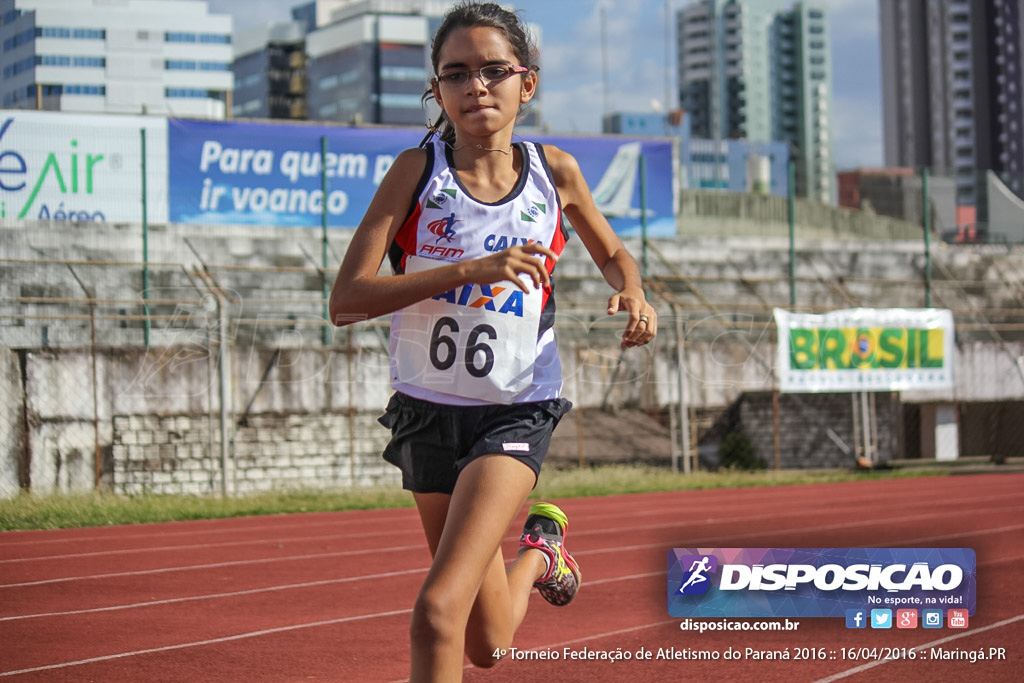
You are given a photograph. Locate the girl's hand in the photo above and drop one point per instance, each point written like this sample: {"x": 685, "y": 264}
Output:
{"x": 510, "y": 263}
{"x": 642, "y": 325}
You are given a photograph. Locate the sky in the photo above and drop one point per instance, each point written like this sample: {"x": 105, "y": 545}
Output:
{"x": 572, "y": 77}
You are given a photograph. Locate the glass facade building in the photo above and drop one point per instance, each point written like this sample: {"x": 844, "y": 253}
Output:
{"x": 159, "y": 57}
{"x": 270, "y": 72}
{"x": 759, "y": 70}
{"x": 953, "y": 92}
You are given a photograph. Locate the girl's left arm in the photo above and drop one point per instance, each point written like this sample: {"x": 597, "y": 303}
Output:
{"x": 617, "y": 266}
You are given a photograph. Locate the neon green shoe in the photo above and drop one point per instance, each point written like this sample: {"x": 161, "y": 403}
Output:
{"x": 545, "y": 530}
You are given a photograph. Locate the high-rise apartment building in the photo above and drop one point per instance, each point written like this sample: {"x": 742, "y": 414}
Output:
{"x": 759, "y": 70}
{"x": 369, "y": 60}
{"x": 371, "y": 63}
{"x": 952, "y": 91}
{"x": 353, "y": 61}
{"x": 270, "y": 72}
{"x": 318, "y": 13}
{"x": 157, "y": 56}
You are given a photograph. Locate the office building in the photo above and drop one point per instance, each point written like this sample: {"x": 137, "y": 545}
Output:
{"x": 371, "y": 64}
{"x": 349, "y": 61}
{"x": 168, "y": 57}
{"x": 738, "y": 166}
{"x": 729, "y": 165}
{"x": 317, "y": 13}
{"x": 952, "y": 92}
{"x": 270, "y": 72}
{"x": 759, "y": 70}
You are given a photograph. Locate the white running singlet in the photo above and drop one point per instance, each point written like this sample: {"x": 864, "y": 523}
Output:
{"x": 477, "y": 344}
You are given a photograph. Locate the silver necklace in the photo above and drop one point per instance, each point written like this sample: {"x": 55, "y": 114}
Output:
{"x": 486, "y": 149}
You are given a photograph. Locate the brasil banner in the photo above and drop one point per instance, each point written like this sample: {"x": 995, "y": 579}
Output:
{"x": 865, "y": 349}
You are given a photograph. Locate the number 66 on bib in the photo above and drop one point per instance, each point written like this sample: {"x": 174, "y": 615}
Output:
{"x": 475, "y": 341}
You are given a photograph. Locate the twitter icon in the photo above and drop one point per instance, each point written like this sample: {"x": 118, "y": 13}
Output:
{"x": 881, "y": 618}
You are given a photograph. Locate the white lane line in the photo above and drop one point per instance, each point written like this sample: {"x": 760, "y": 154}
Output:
{"x": 408, "y": 611}
{"x": 8, "y": 539}
{"x": 351, "y": 579}
{"x": 231, "y": 594}
{"x": 284, "y": 629}
{"x": 601, "y": 531}
{"x": 935, "y": 643}
{"x": 741, "y": 516}
{"x": 575, "y": 641}
{"x": 199, "y": 527}
{"x": 207, "y": 546}
{"x": 718, "y": 540}
{"x": 211, "y": 641}
{"x": 215, "y": 565}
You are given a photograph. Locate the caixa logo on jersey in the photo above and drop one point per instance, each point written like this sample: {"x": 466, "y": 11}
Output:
{"x": 502, "y": 242}
{"x": 817, "y": 582}
{"x": 499, "y": 298}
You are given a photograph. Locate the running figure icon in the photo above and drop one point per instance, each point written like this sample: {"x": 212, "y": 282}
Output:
{"x": 697, "y": 571}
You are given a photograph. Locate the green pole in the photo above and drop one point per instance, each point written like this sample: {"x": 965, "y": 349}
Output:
{"x": 145, "y": 242}
{"x": 325, "y": 292}
{"x": 927, "y": 240}
{"x": 643, "y": 217}
{"x": 791, "y": 210}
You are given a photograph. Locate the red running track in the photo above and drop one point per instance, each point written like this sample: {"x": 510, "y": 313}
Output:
{"x": 326, "y": 597}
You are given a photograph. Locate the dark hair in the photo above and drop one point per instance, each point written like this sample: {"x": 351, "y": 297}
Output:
{"x": 472, "y": 15}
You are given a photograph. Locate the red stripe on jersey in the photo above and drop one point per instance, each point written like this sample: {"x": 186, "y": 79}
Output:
{"x": 405, "y": 238}
{"x": 558, "y": 242}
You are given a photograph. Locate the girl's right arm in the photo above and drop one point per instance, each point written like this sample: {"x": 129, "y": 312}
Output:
{"x": 359, "y": 293}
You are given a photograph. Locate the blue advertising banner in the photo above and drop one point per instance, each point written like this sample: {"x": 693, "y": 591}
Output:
{"x": 611, "y": 166}
{"x": 820, "y": 582}
{"x": 269, "y": 173}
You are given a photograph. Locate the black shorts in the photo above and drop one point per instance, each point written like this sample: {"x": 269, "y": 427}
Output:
{"x": 432, "y": 442}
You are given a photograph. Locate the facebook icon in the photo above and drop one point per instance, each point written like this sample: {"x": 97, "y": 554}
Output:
{"x": 856, "y": 618}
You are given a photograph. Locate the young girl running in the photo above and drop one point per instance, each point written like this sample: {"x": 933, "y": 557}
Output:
{"x": 472, "y": 225}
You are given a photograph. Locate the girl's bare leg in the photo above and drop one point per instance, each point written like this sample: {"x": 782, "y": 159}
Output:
{"x": 467, "y": 589}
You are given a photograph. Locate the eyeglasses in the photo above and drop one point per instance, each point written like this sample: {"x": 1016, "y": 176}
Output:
{"x": 488, "y": 74}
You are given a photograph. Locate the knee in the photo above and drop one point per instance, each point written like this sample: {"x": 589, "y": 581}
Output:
{"x": 434, "y": 621}
{"x": 482, "y": 652}
{"x": 487, "y": 642}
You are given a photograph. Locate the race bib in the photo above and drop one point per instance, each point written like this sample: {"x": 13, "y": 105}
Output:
{"x": 475, "y": 341}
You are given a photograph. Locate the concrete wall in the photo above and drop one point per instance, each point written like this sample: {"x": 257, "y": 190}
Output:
{"x": 307, "y": 417}
{"x": 818, "y": 431}
{"x": 180, "y": 454}
{"x": 12, "y": 423}
{"x": 155, "y": 421}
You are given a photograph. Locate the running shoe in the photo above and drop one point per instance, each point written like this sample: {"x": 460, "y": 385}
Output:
{"x": 545, "y": 530}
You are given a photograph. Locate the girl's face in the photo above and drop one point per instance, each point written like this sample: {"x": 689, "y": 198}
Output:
{"x": 484, "y": 103}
